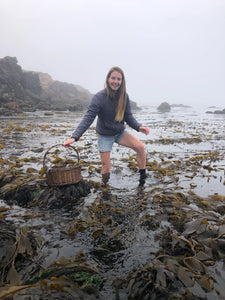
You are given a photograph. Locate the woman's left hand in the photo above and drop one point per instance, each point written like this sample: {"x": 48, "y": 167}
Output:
{"x": 144, "y": 130}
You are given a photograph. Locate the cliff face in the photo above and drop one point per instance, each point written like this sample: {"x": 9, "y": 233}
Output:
{"x": 28, "y": 91}
{"x": 61, "y": 94}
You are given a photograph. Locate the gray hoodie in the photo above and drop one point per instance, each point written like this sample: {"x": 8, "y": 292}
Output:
{"x": 105, "y": 108}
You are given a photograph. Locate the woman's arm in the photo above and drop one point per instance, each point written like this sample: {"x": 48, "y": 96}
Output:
{"x": 88, "y": 118}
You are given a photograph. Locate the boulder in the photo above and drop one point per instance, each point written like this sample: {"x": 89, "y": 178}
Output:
{"x": 164, "y": 107}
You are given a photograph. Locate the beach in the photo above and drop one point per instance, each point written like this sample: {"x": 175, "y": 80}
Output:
{"x": 165, "y": 239}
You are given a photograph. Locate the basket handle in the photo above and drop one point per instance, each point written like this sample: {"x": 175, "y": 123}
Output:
{"x": 47, "y": 152}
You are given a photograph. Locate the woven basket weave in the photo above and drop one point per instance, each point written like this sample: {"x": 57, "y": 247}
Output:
{"x": 59, "y": 176}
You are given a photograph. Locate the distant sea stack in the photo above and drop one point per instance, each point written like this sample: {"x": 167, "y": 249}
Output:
{"x": 164, "y": 107}
{"x": 180, "y": 105}
{"x": 28, "y": 91}
{"x": 217, "y": 112}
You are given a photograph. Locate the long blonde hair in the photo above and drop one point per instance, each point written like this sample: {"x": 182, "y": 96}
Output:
{"x": 122, "y": 93}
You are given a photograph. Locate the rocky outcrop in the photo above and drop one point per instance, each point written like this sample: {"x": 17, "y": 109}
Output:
{"x": 180, "y": 105}
{"x": 18, "y": 90}
{"x": 134, "y": 106}
{"x": 22, "y": 90}
{"x": 60, "y": 95}
{"x": 164, "y": 107}
{"x": 28, "y": 91}
{"x": 218, "y": 112}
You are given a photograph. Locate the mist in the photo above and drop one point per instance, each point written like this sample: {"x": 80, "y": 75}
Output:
{"x": 169, "y": 50}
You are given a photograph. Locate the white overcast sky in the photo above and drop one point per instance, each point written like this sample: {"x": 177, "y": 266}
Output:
{"x": 170, "y": 50}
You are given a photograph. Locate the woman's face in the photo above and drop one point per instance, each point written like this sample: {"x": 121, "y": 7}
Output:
{"x": 115, "y": 80}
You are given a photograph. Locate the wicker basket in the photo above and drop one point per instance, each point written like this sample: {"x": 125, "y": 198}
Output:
{"x": 58, "y": 176}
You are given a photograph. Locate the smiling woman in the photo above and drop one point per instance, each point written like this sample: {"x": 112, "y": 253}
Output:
{"x": 112, "y": 106}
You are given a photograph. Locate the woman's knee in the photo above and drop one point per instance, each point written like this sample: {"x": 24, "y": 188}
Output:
{"x": 140, "y": 148}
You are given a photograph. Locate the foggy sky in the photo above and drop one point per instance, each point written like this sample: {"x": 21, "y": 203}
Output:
{"x": 170, "y": 50}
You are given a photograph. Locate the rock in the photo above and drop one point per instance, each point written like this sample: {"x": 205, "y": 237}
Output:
{"x": 62, "y": 96}
{"x": 216, "y": 112}
{"x": 180, "y": 105}
{"x": 15, "y": 89}
{"x": 23, "y": 191}
{"x": 219, "y": 111}
{"x": 164, "y": 107}
{"x": 28, "y": 91}
{"x": 134, "y": 105}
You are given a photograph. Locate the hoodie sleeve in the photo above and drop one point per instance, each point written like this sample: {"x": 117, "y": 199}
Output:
{"x": 88, "y": 118}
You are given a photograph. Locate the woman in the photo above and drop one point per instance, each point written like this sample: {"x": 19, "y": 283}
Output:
{"x": 112, "y": 105}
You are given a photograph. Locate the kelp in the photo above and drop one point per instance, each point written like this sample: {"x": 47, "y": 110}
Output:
{"x": 23, "y": 246}
{"x": 161, "y": 241}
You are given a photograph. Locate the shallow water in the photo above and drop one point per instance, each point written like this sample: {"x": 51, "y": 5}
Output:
{"x": 178, "y": 136}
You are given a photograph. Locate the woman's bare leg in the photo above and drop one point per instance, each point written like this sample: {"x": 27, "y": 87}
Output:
{"x": 130, "y": 141}
{"x": 106, "y": 165}
{"x": 105, "y": 160}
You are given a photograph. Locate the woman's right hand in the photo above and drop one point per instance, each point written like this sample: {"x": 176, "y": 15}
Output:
{"x": 68, "y": 142}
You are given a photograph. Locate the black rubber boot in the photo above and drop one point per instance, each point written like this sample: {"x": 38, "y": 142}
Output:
{"x": 105, "y": 178}
{"x": 143, "y": 176}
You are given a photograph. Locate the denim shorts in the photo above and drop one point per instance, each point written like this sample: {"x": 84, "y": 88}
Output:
{"x": 105, "y": 142}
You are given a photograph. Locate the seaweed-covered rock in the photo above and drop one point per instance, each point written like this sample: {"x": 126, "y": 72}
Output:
{"x": 37, "y": 192}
